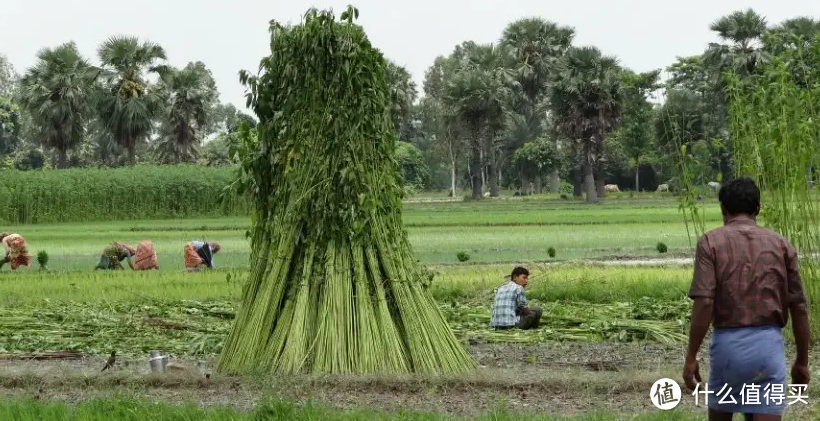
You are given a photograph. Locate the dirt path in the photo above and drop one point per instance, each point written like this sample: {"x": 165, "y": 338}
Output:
{"x": 566, "y": 378}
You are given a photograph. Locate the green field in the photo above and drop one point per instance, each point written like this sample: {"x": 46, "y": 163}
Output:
{"x": 598, "y": 309}
{"x": 490, "y": 231}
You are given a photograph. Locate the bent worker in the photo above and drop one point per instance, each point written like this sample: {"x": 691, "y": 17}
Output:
{"x": 510, "y": 308}
{"x": 16, "y": 251}
{"x": 146, "y": 256}
{"x": 746, "y": 282}
{"x": 113, "y": 255}
{"x": 198, "y": 254}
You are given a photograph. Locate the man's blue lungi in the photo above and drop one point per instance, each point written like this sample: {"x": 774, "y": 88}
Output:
{"x": 747, "y": 356}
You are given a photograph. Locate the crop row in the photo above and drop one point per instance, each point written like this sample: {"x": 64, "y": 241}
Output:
{"x": 92, "y": 194}
{"x": 183, "y": 191}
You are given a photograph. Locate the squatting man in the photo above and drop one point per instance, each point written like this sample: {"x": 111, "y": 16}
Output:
{"x": 511, "y": 309}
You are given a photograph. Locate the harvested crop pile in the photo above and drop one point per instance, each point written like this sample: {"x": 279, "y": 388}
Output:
{"x": 334, "y": 286}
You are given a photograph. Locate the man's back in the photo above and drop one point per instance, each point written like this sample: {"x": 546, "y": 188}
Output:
{"x": 508, "y": 297}
{"x": 749, "y": 271}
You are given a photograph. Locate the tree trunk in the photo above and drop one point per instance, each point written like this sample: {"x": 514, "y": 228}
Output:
{"x": 523, "y": 180}
{"x": 599, "y": 187}
{"x": 589, "y": 179}
{"x": 476, "y": 170}
{"x": 539, "y": 187}
{"x": 637, "y": 179}
{"x": 577, "y": 182}
{"x": 493, "y": 173}
{"x": 483, "y": 167}
{"x": 555, "y": 182}
{"x": 62, "y": 159}
{"x": 453, "y": 178}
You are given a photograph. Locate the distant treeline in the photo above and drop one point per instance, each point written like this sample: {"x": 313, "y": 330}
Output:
{"x": 109, "y": 194}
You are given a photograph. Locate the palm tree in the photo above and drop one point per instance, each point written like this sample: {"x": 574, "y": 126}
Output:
{"x": 536, "y": 45}
{"x": 478, "y": 93}
{"x": 403, "y": 95}
{"x": 743, "y": 32}
{"x": 191, "y": 97}
{"x": 129, "y": 107}
{"x": 56, "y": 92}
{"x": 791, "y": 33}
{"x": 587, "y": 99}
{"x": 741, "y": 53}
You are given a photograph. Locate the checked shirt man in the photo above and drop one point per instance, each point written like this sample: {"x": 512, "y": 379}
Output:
{"x": 746, "y": 282}
{"x": 510, "y": 308}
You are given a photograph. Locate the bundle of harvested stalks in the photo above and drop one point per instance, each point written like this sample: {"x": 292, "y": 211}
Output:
{"x": 334, "y": 287}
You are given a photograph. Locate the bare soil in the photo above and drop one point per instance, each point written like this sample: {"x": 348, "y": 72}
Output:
{"x": 555, "y": 378}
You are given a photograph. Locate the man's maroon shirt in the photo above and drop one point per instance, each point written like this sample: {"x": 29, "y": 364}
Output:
{"x": 750, "y": 272}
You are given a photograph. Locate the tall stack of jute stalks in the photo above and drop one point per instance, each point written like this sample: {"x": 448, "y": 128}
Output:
{"x": 773, "y": 136}
{"x": 333, "y": 287}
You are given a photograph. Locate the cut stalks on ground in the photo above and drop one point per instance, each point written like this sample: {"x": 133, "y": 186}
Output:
{"x": 334, "y": 286}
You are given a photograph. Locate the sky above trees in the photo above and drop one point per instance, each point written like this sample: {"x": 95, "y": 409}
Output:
{"x": 229, "y": 36}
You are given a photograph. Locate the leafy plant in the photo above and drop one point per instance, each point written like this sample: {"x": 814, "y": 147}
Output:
{"x": 462, "y": 256}
{"x": 661, "y": 247}
{"x": 551, "y": 252}
{"x": 42, "y": 259}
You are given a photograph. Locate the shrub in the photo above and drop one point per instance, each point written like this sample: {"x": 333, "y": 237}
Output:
{"x": 42, "y": 259}
{"x": 661, "y": 248}
{"x": 551, "y": 252}
{"x": 462, "y": 256}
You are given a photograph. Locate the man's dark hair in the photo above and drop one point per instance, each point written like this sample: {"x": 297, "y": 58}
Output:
{"x": 520, "y": 271}
{"x": 740, "y": 196}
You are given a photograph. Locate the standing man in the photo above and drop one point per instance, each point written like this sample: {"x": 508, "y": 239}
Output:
{"x": 746, "y": 283}
{"x": 511, "y": 308}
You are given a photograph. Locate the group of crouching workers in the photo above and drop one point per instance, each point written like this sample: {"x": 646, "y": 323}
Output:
{"x": 196, "y": 254}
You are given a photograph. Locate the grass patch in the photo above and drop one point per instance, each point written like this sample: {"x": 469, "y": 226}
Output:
{"x": 78, "y": 246}
{"x": 470, "y": 283}
{"x": 124, "y": 409}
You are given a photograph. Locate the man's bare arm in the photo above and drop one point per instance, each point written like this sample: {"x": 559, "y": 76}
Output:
{"x": 800, "y": 327}
{"x": 702, "y": 292}
{"x": 797, "y": 307}
{"x": 701, "y": 320}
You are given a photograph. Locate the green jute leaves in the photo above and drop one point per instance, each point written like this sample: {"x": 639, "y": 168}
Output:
{"x": 773, "y": 136}
{"x": 333, "y": 287}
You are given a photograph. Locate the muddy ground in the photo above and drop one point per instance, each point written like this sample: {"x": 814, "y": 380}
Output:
{"x": 555, "y": 378}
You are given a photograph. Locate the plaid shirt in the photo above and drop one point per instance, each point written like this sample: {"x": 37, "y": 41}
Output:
{"x": 750, "y": 272}
{"x": 507, "y": 299}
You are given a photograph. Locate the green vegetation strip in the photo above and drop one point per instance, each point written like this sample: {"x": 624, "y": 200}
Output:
{"x": 462, "y": 284}
{"x": 123, "y": 409}
{"x": 197, "y": 328}
{"x": 190, "y": 191}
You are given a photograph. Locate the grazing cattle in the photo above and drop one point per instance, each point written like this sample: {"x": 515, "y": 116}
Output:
{"x": 487, "y": 194}
{"x": 714, "y": 185}
{"x": 663, "y": 187}
{"x": 611, "y": 188}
